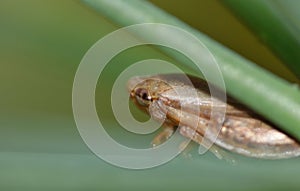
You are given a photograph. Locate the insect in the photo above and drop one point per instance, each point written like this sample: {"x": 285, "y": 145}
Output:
{"x": 242, "y": 131}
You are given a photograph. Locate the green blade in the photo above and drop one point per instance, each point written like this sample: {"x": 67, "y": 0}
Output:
{"x": 276, "y": 23}
{"x": 266, "y": 93}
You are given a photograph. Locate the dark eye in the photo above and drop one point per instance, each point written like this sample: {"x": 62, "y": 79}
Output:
{"x": 143, "y": 93}
{"x": 142, "y": 96}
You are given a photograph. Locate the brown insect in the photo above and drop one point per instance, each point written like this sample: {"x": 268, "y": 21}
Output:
{"x": 243, "y": 131}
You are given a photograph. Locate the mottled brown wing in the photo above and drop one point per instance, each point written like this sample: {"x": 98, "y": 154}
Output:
{"x": 203, "y": 99}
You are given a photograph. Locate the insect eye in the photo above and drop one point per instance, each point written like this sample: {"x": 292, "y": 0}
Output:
{"x": 142, "y": 96}
{"x": 143, "y": 93}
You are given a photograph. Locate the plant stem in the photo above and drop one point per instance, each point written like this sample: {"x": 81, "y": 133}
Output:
{"x": 269, "y": 95}
{"x": 275, "y": 23}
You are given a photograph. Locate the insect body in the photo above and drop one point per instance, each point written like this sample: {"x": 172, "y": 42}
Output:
{"x": 242, "y": 131}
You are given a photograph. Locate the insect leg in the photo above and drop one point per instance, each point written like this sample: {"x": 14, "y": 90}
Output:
{"x": 166, "y": 133}
{"x": 198, "y": 138}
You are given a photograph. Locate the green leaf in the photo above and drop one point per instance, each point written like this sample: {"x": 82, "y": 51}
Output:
{"x": 269, "y": 95}
{"x": 276, "y": 23}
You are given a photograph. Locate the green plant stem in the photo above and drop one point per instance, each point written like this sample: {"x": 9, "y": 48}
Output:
{"x": 267, "y": 94}
{"x": 275, "y": 23}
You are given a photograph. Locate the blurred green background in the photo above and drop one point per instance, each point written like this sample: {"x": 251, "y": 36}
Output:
{"x": 42, "y": 43}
